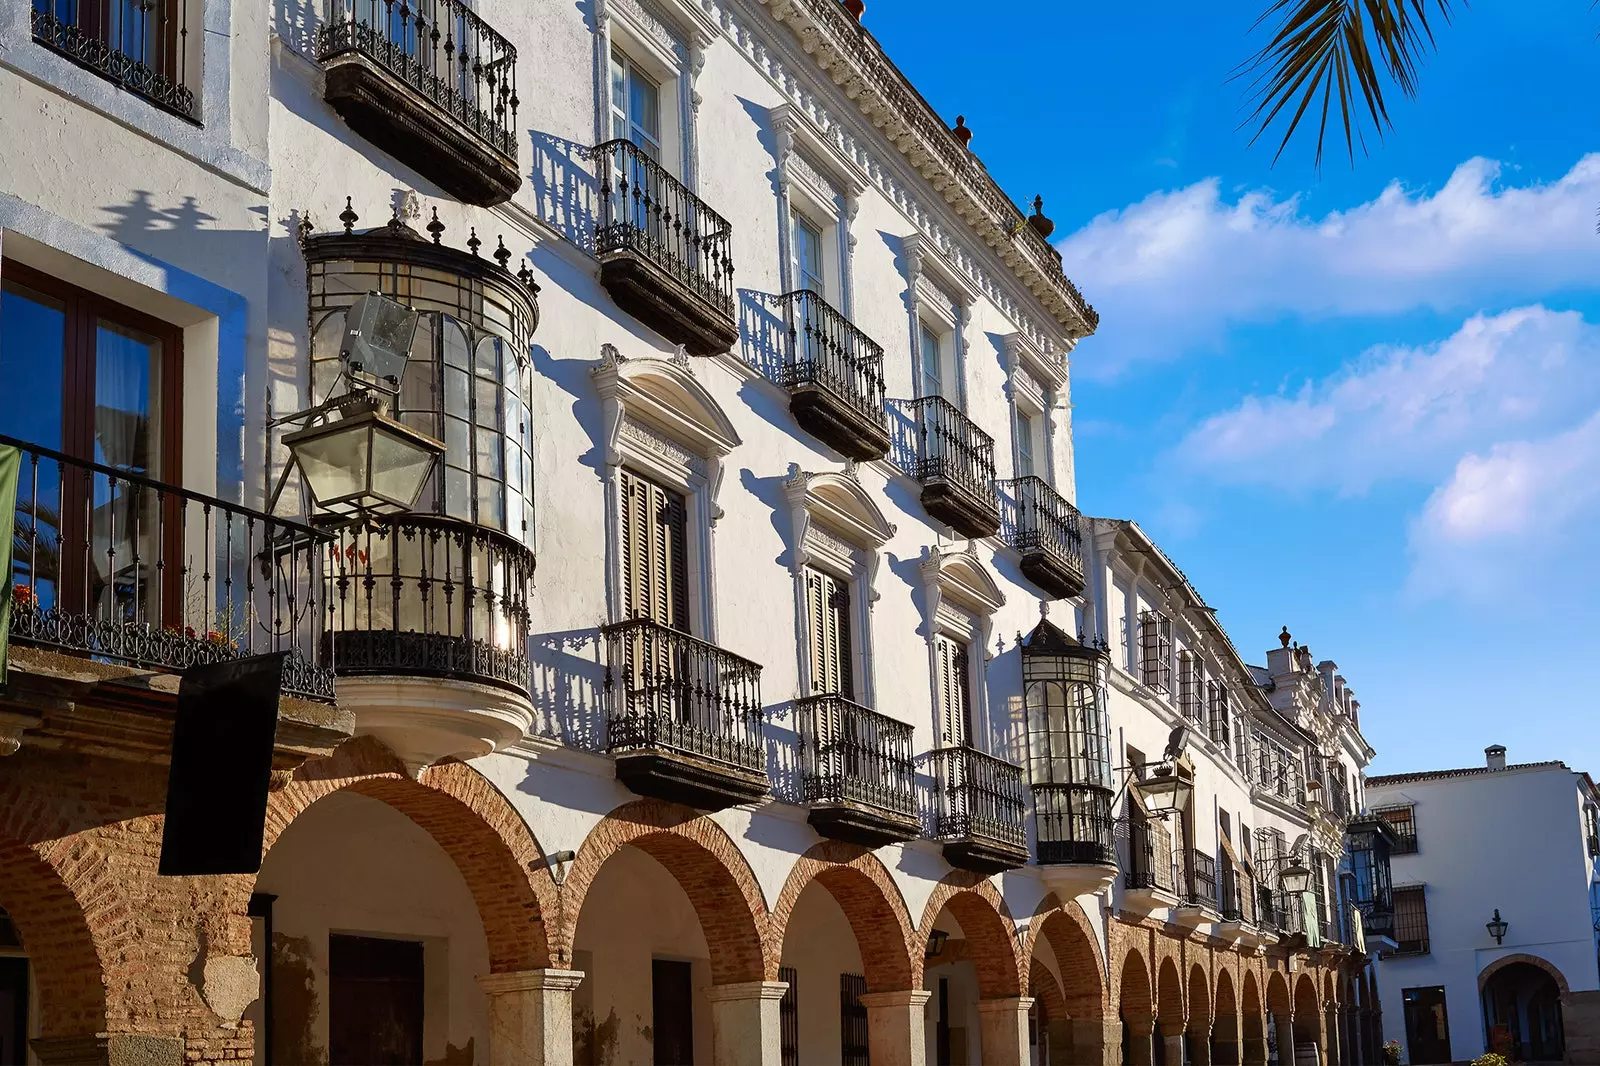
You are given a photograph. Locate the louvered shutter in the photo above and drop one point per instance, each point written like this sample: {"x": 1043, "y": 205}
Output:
{"x": 655, "y": 556}
{"x": 953, "y": 696}
{"x": 828, "y": 618}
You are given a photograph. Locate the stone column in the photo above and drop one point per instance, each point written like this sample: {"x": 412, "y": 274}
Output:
{"x": 896, "y": 1027}
{"x": 745, "y": 1028}
{"x": 1285, "y": 1024}
{"x": 1172, "y": 1037}
{"x": 1092, "y": 1042}
{"x": 1225, "y": 1040}
{"x": 1141, "y": 1052}
{"x": 1253, "y": 1047}
{"x": 1003, "y": 1029}
{"x": 530, "y": 1017}
{"x": 1199, "y": 1046}
{"x": 1332, "y": 1035}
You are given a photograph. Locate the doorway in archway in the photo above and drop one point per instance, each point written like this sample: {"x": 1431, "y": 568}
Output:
{"x": 1427, "y": 1024}
{"x": 1522, "y": 1014}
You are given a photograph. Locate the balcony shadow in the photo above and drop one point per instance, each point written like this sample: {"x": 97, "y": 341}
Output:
{"x": 566, "y": 193}
{"x": 571, "y": 376}
{"x": 296, "y": 22}
{"x": 783, "y": 752}
{"x": 763, "y": 333}
{"x": 567, "y": 686}
{"x": 769, "y": 491}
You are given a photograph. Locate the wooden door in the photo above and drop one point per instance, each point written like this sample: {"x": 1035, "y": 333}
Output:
{"x": 672, "y": 1010}
{"x": 374, "y": 1001}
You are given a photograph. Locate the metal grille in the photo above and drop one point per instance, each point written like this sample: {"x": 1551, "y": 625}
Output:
{"x": 1403, "y": 821}
{"x": 826, "y": 350}
{"x": 142, "y": 45}
{"x": 789, "y": 1017}
{"x": 852, "y": 1020}
{"x": 951, "y": 448}
{"x": 853, "y": 755}
{"x": 1155, "y": 650}
{"x": 977, "y": 796}
{"x": 1039, "y": 518}
{"x": 1411, "y": 920}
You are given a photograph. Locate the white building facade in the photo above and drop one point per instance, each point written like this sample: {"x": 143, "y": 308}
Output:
{"x": 744, "y": 685}
{"x": 1501, "y": 843}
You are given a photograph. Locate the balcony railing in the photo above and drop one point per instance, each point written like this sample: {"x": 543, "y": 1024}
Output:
{"x": 646, "y": 211}
{"x": 126, "y": 569}
{"x": 1202, "y": 879}
{"x": 1236, "y": 895}
{"x": 142, "y": 45}
{"x": 1149, "y": 862}
{"x": 977, "y": 796}
{"x": 442, "y": 50}
{"x": 1044, "y": 528}
{"x": 669, "y": 691}
{"x": 429, "y": 596}
{"x": 828, "y": 353}
{"x": 954, "y": 460}
{"x": 854, "y": 755}
{"x": 1073, "y": 824}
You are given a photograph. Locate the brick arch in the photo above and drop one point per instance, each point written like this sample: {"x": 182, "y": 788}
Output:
{"x": 69, "y": 962}
{"x": 1199, "y": 999}
{"x": 1169, "y": 993}
{"x": 1305, "y": 995}
{"x": 705, "y": 862}
{"x": 988, "y": 926}
{"x": 1071, "y": 937}
{"x": 1250, "y": 994}
{"x": 1046, "y": 991}
{"x": 1278, "y": 994}
{"x": 1532, "y": 960}
{"x": 862, "y": 886}
{"x": 1226, "y": 1002}
{"x": 1330, "y": 991}
{"x": 1133, "y": 984}
{"x": 467, "y": 816}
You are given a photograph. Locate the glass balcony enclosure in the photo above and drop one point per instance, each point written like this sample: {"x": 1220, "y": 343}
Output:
{"x": 1069, "y": 765}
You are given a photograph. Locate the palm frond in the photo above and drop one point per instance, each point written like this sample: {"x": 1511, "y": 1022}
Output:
{"x": 1328, "y": 54}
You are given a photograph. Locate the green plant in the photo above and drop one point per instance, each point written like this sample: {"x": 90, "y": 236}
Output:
{"x": 1491, "y": 1059}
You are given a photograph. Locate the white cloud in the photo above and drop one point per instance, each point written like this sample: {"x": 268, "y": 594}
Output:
{"x": 1175, "y": 269}
{"x": 1409, "y": 413}
{"x": 1521, "y": 502}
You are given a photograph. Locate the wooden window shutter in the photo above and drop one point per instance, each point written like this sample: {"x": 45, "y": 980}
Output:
{"x": 828, "y": 619}
{"x": 953, "y": 691}
{"x": 655, "y": 554}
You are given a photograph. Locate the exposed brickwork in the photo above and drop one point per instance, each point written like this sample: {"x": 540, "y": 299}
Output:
{"x": 1044, "y": 988}
{"x": 1251, "y": 991}
{"x": 1226, "y": 1002}
{"x": 1199, "y": 999}
{"x": 988, "y": 926}
{"x": 1305, "y": 995}
{"x": 1070, "y": 936}
{"x": 493, "y": 848}
{"x": 705, "y": 862}
{"x": 871, "y": 901}
{"x": 1532, "y": 960}
{"x": 1133, "y": 983}
{"x": 1277, "y": 994}
{"x": 1169, "y": 991}
{"x": 66, "y": 958}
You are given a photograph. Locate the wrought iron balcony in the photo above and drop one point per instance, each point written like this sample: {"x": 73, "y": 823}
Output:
{"x": 1073, "y": 825}
{"x": 683, "y": 717}
{"x": 834, "y": 374}
{"x": 1044, "y": 528}
{"x": 954, "y": 460}
{"x": 1149, "y": 865}
{"x": 125, "y": 569}
{"x": 979, "y": 809}
{"x": 1236, "y": 895}
{"x": 1201, "y": 891}
{"x": 142, "y": 45}
{"x": 665, "y": 257}
{"x": 429, "y": 82}
{"x": 858, "y": 774}
{"x": 429, "y": 596}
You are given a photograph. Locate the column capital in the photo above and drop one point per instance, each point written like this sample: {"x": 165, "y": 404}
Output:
{"x": 531, "y": 981}
{"x": 905, "y": 997}
{"x": 1020, "y": 1004}
{"x": 747, "y": 990}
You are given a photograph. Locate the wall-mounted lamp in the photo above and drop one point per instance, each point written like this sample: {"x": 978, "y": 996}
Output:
{"x": 1497, "y": 927}
{"x": 559, "y": 864}
{"x": 935, "y": 946}
{"x": 1296, "y": 877}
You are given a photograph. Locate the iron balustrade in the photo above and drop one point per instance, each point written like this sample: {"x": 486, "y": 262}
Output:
{"x": 855, "y": 755}
{"x": 827, "y": 351}
{"x": 977, "y": 797}
{"x": 1202, "y": 879}
{"x": 1073, "y": 824}
{"x": 142, "y": 45}
{"x": 1149, "y": 862}
{"x": 667, "y": 690}
{"x": 1267, "y": 913}
{"x": 1042, "y": 520}
{"x": 647, "y": 211}
{"x": 1236, "y": 894}
{"x": 951, "y": 448}
{"x": 127, "y": 569}
{"x": 441, "y": 49}
{"x": 431, "y": 596}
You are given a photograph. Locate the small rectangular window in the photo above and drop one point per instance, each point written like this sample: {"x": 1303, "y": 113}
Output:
{"x": 1404, "y": 823}
{"x": 1155, "y": 651}
{"x": 1025, "y": 466}
{"x": 808, "y": 256}
{"x": 1221, "y": 714}
{"x": 932, "y": 350}
{"x": 828, "y": 612}
{"x": 852, "y": 1020}
{"x": 635, "y": 105}
{"x": 1189, "y": 686}
{"x": 1411, "y": 919}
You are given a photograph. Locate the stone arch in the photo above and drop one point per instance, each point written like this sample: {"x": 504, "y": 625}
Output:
{"x": 69, "y": 962}
{"x": 1169, "y": 996}
{"x": 1305, "y": 996}
{"x": 1199, "y": 1002}
{"x": 705, "y": 861}
{"x": 1532, "y": 960}
{"x": 1278, "y": 1001}
{"x": 1071, "y": 937}
{"x": 872, "y": 903}
{"x": 989, "y": 929}
{"x": 470, "y": 819}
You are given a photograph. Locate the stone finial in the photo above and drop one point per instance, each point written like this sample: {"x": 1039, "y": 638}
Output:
{"x": 502, "y": 254}
{"x": 856, "y": 8}
{"x": 1041, "y": 225}
{"x": 473, "y": 243}
{"x": 1284, "y": 637}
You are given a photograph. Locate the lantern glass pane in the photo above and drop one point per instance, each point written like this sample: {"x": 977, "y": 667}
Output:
{"x": 399, "y": 467}
{"x": 335, "y": 464}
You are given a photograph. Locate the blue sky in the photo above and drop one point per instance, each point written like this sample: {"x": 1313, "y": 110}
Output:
{"x": 1364, "y": 403}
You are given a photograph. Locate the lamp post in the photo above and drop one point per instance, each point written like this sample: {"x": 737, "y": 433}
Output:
{"x": 1497, "y": 927}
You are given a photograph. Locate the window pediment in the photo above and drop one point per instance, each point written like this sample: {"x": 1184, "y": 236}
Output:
{"x": 838, "y": 502}
{"x": 961, "y": 578}
{"x": 663, "y": 394}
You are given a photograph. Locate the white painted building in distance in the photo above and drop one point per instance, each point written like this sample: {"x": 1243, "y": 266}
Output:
{"x": 743, "y": 687}
{"x": 1511, "y": 843}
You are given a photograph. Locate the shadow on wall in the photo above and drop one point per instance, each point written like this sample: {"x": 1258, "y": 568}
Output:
{"x": 296, "y": 23}
{"x": 566, "y": 193}
{"x": 763, "y": 333}
{"x": 567, "y": 687}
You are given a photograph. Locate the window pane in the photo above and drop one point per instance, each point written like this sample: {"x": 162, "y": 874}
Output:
{"x": 33, "y": 331}
{"x": 488, "y": 403}
{"x": 127, "y": 380}
{"x": 808, "y": 256}
{"x": 489, "y": 350}
{"x": 489, "y": 454}
{"x": 932, "y": 363}
{"x": 644, "y": 106}
{"x": 619, "y": 97}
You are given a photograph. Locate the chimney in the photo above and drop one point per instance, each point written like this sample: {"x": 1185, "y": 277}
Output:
{"x": 1494, "y": 756}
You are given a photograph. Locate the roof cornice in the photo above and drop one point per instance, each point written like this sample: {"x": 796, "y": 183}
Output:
{"x": 857, "y": 64}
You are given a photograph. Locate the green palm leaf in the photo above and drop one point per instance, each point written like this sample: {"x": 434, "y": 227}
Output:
{"x": 1333, "y": 58}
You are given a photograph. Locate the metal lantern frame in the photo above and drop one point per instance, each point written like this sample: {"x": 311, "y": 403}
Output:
{"x": 1063, "y": 684}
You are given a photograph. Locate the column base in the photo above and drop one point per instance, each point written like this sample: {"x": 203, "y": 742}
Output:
{"x": 530, "y": 1016}
{"x": 745, "y": 1027}
{"x": 896, "y": 1029}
